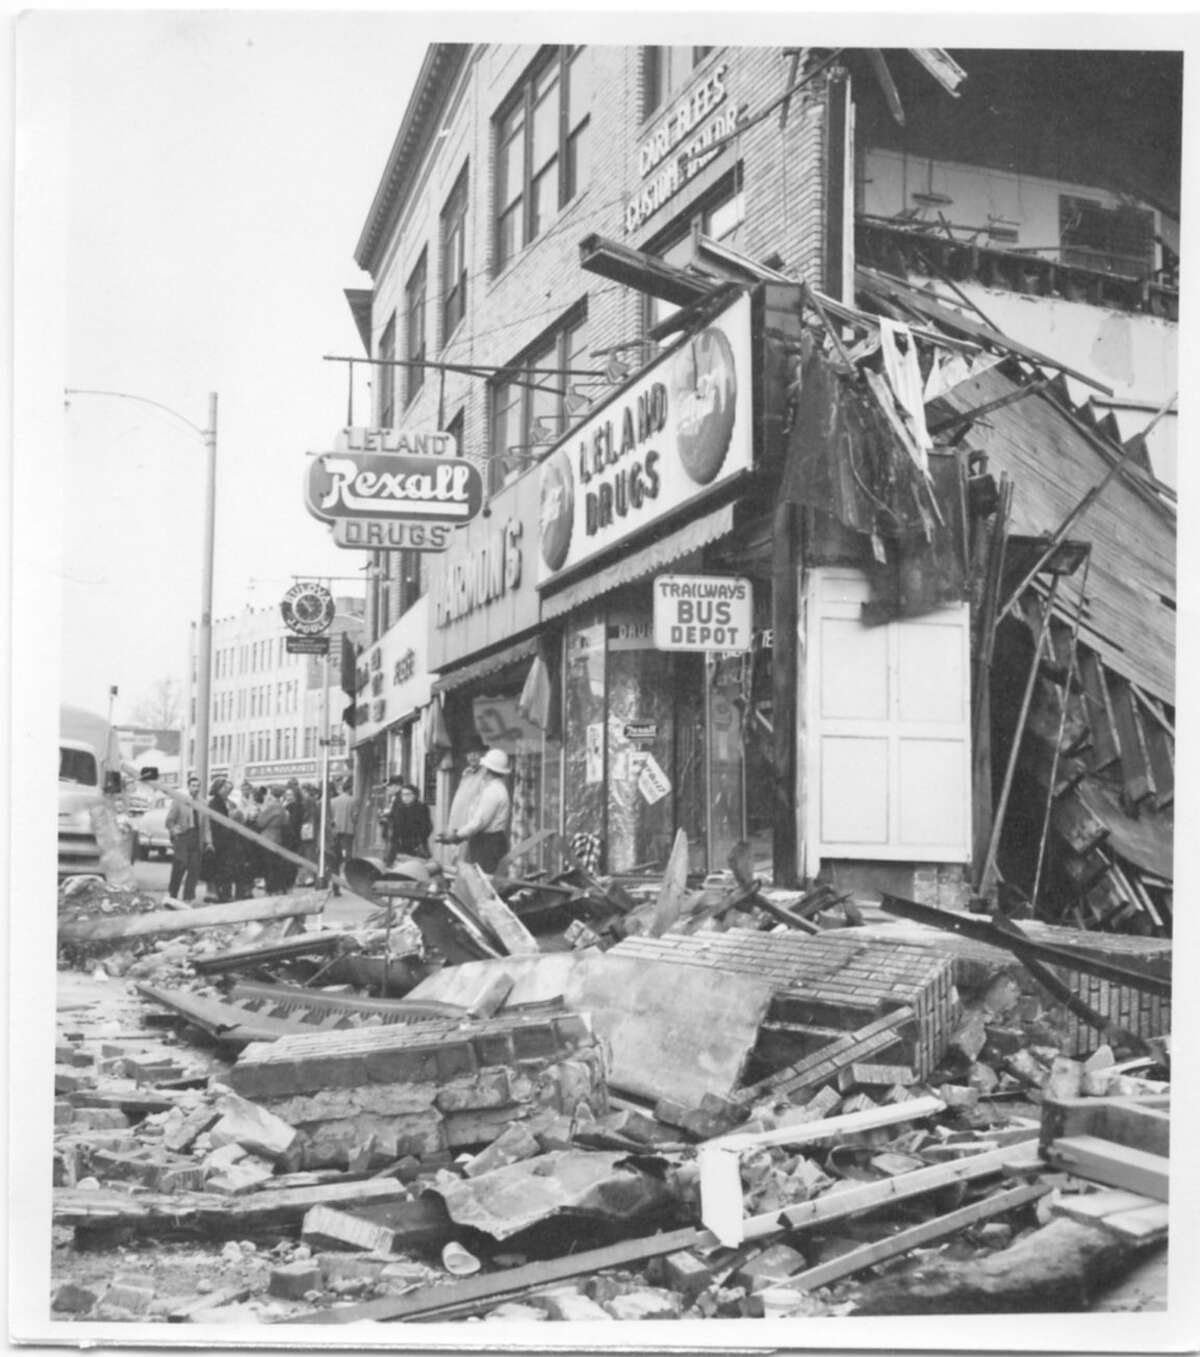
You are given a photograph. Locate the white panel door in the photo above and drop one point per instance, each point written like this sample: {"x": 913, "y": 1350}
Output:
{"x": 889, "y": 721}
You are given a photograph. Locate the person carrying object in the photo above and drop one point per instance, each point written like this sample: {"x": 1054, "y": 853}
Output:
{"x": 485, "y": 831}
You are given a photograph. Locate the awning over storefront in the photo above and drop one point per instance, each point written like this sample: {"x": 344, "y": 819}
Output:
{"x": 638, "y": 564}
{"x": 500, "y": 659}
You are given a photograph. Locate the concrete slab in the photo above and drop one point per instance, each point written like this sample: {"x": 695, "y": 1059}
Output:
{"x": 674, "y": 1032}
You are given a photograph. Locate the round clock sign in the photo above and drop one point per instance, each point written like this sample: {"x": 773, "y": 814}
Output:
{"x": 307, "y": 609}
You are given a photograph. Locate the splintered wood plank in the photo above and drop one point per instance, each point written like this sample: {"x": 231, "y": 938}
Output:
{"x": 1105, "y": 748}
{"x": 184, "y": 920}
{"x": 938, "y": 1228}
{"x": 1101, "y": 1161}
{"x": 1145, "y": 1224}
{"x": 1096, "y": 1205}
{"x": 1111, "y": 1119}
{"x": 1135, "y": 768}
{"x": 478, "y": 893}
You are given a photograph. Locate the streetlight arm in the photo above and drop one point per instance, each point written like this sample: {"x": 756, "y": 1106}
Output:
{"x": 142, "y": 400}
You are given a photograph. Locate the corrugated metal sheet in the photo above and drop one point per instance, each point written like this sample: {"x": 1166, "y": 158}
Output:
{"x": 1052, "y": 464}
{"x": 638, "y": 564}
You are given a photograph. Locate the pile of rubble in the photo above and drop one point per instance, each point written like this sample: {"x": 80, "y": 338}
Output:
{"x": 702, "y": 1111}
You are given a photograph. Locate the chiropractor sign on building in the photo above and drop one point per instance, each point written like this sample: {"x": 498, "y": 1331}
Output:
{"x": 392, "y": 489}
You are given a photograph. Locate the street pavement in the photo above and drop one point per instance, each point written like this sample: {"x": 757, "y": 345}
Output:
{"x": 341, "y": 911}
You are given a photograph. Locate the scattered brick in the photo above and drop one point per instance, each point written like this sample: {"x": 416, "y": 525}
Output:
{"x": 568, "y": 1303}
{"x": 686, "y": 1274}
{"x": 516, "y": 1143}
{"x": 293, "y": 1281}
{"x": 774, "y": 1264}
{"x": 70, "y": 1298}
{"x": 645, "y": 1304}
{"x": 128, "y": 1294}
{"x": 326, "y": 1228}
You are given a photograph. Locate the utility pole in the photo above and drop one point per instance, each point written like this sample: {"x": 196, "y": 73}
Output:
{"x": 204, "y": 654}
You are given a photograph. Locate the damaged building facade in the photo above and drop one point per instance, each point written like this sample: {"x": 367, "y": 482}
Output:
{"x": 821, "y": 511}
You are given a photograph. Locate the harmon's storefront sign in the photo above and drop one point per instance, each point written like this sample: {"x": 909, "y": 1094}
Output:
{"x": 683, "y": 427}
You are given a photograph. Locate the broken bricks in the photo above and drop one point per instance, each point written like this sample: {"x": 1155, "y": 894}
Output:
{"x": 422, "y": 1088}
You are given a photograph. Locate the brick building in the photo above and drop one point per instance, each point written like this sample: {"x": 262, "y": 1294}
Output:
{"x": 628, "y": 282}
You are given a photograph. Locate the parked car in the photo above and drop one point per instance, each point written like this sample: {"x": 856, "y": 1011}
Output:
{"x": 152, "y": 837}
{"x": 89, "y": 776}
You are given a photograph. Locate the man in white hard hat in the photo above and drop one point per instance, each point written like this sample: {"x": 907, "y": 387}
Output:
{"x": 485, "y": 831}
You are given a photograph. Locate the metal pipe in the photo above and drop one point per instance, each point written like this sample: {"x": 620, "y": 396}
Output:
{"x": 204, "y": 656}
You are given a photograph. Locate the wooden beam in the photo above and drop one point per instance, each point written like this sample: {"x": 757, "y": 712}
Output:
{"x": 872, "y": 1254}
{"x": 1125, "y": 1121}
{"x": 1102, "y": 1161}
{"x": 642, "y": 271}
{"x": 1013, "y": 940}
{"x": 942, "y": 314}
{"x": 185, "y": 920}
{"x": 438, "y": 1300}
{"x": 720, "y": 1159}
{"x": 789, "y": 856}
{"x": 1135, "y": 768}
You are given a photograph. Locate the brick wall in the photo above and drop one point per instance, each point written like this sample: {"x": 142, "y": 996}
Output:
{"x": 782, "y": 160}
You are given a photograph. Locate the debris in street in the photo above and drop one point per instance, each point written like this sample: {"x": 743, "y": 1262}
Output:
{"x": 424, "y": 1088}
{"x": 592, "y": 1185}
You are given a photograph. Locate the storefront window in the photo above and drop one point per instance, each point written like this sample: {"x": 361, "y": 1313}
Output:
{"x": 655, "y": 743}
{"x": 583, "y": 724}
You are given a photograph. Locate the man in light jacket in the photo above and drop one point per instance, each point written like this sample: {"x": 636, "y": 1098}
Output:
{"x": 485, "y": 831}
{"x": 470, "y": 784}
{"x": 183, "y": 825}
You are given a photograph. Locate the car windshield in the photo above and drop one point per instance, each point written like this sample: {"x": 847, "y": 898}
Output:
{"x": 77, "y": 765}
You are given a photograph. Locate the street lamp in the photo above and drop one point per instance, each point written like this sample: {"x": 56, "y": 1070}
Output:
{"x": 204, "y": 665}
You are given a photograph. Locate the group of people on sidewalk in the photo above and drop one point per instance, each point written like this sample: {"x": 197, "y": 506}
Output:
{"x": 231, "y": 865}
{"x": 289, "y": 815}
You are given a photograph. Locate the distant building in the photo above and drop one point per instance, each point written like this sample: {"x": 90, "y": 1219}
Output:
{"x": 269, "y": 706}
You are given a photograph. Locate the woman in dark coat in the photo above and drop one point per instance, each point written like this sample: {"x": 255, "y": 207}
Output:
{"x": 409, "y": 825}
{"x": 224, "y": 842}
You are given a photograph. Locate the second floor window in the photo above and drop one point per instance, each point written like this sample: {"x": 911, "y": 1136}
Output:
{"x": 533, "y": 400}
{"x": 668, "y": 69}
{"x": 414, "y": 311}
{"x": 387, "y": 375}
{"x": 454, "y": 257}
{"x": 541, "y": 149}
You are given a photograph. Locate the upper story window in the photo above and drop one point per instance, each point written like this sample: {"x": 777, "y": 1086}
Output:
{"x": 454, "y": 256}
{"x": 534, "y": 400}
{"x": 541, "y": 148}
{"x": 414, "y": 327}
{"x": 719, "y": 215}
{"x": 667, "y": 70}
{"x": 455, "y": 429}
{"x": 387, "y": 374}
{"x": 1116, "y": 239}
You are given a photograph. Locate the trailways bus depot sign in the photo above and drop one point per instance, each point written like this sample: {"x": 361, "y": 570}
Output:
{"x": 392, "y": 489}
{"x": 703, "y": 612}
